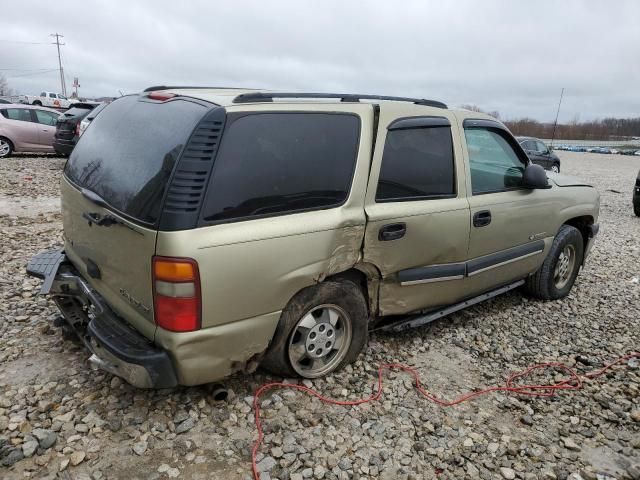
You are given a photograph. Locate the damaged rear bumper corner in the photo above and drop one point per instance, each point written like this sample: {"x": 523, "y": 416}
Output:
{"x": 115, "y": 346}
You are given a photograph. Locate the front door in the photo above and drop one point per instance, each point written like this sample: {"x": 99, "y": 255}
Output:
{"x": 418, "y": 215}
{"x": 510, "y": 229}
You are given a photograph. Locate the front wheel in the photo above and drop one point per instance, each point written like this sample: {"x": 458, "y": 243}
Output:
{"x": 555, "y": 278}
{"x": 37, "y": 103}
{"x": 322, "y": 329}
{"x": 555, "y": 168}
{"x": 6, "y": 148}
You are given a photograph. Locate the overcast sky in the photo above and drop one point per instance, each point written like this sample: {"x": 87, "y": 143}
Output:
{"x": 509, "y": 56}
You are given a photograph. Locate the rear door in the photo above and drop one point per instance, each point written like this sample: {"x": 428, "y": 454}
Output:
{"x": 119, "y": 170}
{"x": 46, "y": 123}
{"x": 418, "y": 216}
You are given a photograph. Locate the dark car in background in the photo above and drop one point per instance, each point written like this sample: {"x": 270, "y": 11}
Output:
{"x": 636, "y": 196}
{"x": 68, "y": 127}
{"x": 539, "y": 153}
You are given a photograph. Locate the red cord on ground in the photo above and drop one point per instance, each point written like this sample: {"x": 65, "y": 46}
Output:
{"x": 572, "y": 382}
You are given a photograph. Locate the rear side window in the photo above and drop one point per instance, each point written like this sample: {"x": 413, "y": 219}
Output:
{"x": 277, "y": 163}
{"x": 46, "y": 118}
{"x": 417, "y": 164}
{"x": 128, "y": 154}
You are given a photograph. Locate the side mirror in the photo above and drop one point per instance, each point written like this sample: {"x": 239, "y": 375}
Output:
{"x": 535, "y": 177}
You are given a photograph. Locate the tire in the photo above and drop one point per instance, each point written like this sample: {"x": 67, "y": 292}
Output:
{"x": 6, "y": 147}
{"x": 548, "y": 283}
{"x": 309, "y": 318}
{"x": 37, "y": 102}
{"x": 636, "y": 210}
{"x": 555, "y": 168}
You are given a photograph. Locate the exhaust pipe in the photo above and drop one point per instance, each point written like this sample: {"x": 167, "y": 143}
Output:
{"x": 219, "y": 392}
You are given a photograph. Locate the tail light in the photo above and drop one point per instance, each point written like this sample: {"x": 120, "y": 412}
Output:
{"x": 161, "y": 96}
{"x": 176, "y": 294}
{"x": 78, "y": 128}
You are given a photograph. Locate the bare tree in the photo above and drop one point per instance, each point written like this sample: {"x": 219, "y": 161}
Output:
{"x": 4, "y": 86}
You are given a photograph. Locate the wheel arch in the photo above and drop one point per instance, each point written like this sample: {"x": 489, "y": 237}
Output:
{"x": 367, "y": 277}
{"x": 11, "y": 144}
{"x": 583, "y": 223}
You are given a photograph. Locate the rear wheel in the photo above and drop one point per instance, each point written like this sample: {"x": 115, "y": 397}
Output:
{"x": 558, "y": 272}
{"x": 6, "y": 147}
{"x": 322, "y": 329}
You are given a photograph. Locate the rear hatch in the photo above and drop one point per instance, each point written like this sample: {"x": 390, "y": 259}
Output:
{"x": 117, "y": 176}
{"x": 69, "y": 120}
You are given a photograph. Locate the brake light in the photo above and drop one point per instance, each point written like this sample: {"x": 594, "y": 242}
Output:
{"x": 161, "y": 96}
{"x": 176, "y": 294}
{"x": 78, "y": 128}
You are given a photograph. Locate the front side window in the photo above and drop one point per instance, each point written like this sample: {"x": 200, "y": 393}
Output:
{"x": 495, "y": 165}
{"x": 20, "y": 114}
{"x": 278, "y": 163}
{"x": 61, "y": 97}
{"x": 417, "y": 164}
{"x": 46, "y": 118}
{"x": 541, "y": 147}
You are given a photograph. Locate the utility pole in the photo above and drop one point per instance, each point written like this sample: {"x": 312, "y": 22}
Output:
{"x": 555, "y": 124}
{"x": 57, "y": 43}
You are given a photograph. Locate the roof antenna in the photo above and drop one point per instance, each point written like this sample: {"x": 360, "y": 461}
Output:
{"x": 555, "y": 124}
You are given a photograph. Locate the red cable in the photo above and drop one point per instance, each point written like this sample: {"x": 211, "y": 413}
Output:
{"x": 573, "y": 382}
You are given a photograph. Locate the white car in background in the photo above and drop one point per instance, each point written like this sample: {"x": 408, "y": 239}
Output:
{"x": 47, "y": 99}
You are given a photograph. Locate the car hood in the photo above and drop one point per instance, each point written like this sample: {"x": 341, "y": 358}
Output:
{"x": 567, "y": 180}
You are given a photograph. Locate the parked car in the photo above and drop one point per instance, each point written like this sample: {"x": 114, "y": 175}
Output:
{"x": 4, "y": 101}
{"x": 636, "y": 196}
{"x": 47, "y": 99}
{"x": 208, "y": 231}
{"x": 25, "y": 128}
{"x": 68, "y": 127}
{"x": 539, "y": 153}
{"x": 89, "y": 118}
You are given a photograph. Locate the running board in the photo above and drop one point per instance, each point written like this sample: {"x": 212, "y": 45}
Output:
{"x": 419, "y": 320}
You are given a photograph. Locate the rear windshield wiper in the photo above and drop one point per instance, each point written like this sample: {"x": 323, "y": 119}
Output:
{"x": 98, "y": 219}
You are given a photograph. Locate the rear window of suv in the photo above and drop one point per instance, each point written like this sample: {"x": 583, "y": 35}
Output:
{"x": 277, "y": 163}
{"x": 128, "y": 154}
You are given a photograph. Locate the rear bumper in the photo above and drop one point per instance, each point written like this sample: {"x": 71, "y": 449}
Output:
{"x": 115, "y": 346}
{"x": 63, "y": 146}
{"x": 175, "y": 358}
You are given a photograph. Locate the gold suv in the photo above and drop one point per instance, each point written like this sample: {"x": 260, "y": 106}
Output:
{"x": 208, "y": 231}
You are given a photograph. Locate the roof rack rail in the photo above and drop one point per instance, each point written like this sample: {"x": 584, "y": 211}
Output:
{"x": 172, "y": 87}
{"x": 344, "y": 97}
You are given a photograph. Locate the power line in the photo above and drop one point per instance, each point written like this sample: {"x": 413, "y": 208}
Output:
{"x": 24, "y": 43}
{"x": 32, "y": 73}
{"x": 555, "y": 124}
{"x": 57, "y": 43}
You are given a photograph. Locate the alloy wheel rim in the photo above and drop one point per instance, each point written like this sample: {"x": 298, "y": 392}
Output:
{"x": 4, "y": 148}
{"x": 320, "y": 341}
{"x": 555, "y": 169}
{"x": 564, "y": 266}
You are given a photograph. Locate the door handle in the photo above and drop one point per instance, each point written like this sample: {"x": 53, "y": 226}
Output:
{"x": 393, "y": 231}
{"x": 482, "y": 218}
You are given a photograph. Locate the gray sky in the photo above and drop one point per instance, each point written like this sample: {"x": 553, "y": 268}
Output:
{"x": 510, "y": 56}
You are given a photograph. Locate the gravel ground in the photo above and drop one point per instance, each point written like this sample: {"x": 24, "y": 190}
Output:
{"x": 60, "y": 419}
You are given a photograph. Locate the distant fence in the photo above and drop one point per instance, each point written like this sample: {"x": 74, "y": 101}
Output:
{"x": 593, "y": 143}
